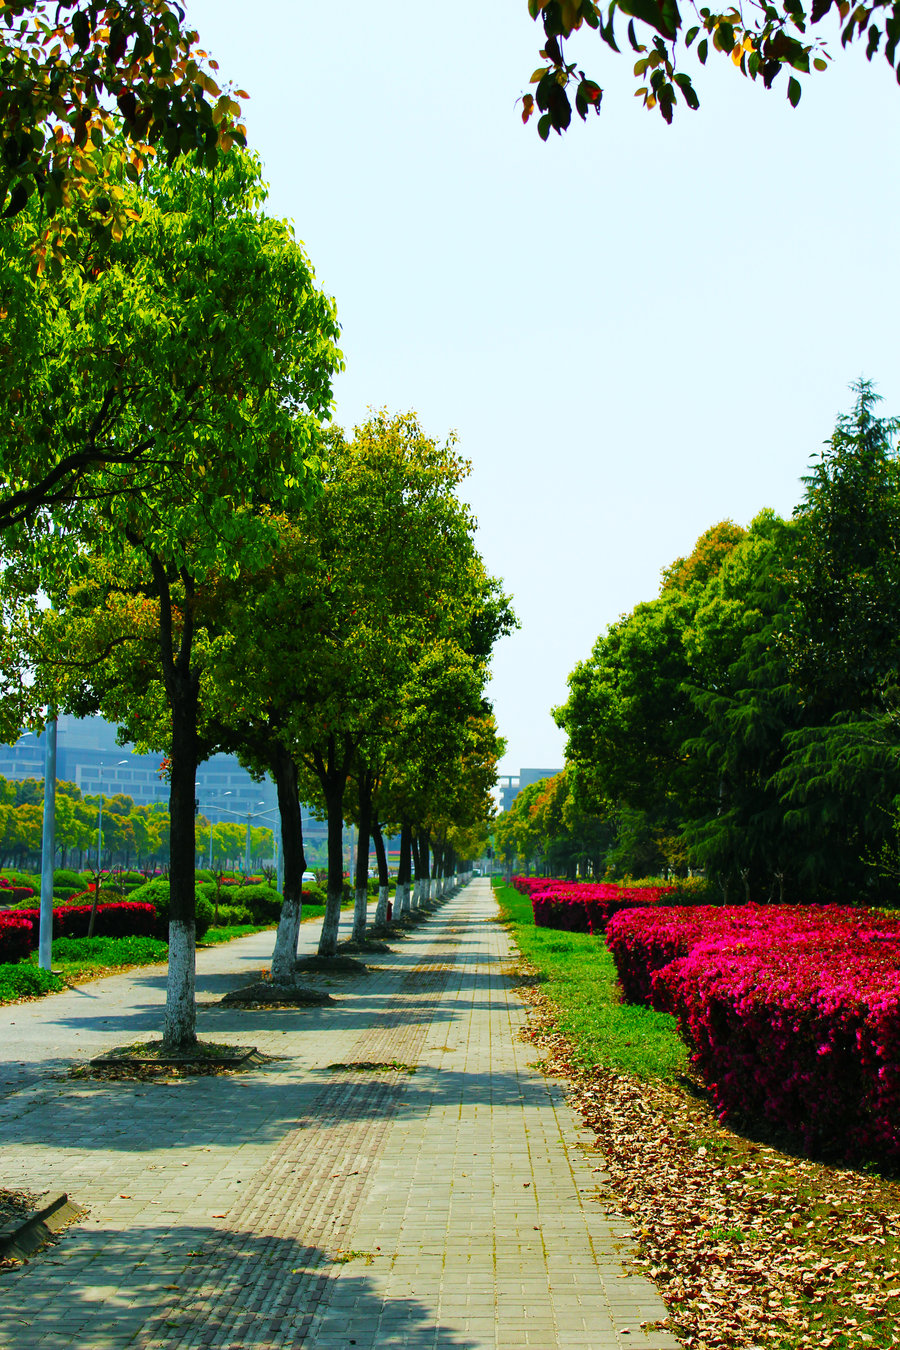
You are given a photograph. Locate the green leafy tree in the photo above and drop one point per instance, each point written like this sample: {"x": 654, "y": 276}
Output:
{"x": 63, "y": 65}
{"x": 250, "y": 340}
{"x": 396, "y": 574}
{"x": 759, "y": 39}
{"x": 841, "y": 773}
{"x": 740, "y": 685}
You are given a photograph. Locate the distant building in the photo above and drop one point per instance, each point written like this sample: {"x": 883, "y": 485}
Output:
{"x": 88, "y": 756}
{"x": 511, "y": 786}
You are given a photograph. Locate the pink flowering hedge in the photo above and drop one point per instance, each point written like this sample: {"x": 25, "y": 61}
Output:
{"x": 15, "y": 937}
{"x": 126, "y": 918}
{"x": 791, "y": 1014}
{"x": 585, "y": 906}
{"x": 11, "y": 894}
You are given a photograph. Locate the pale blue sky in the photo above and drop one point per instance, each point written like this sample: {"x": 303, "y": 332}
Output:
{"x": 636, "y": 330}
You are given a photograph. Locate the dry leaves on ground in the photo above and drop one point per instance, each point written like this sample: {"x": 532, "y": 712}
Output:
{"x": 749, "y": 1246}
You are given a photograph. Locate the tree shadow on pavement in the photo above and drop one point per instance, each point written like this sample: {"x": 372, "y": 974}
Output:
{"x": 156, "y": 1286}
{"x": 228, "y": 1111}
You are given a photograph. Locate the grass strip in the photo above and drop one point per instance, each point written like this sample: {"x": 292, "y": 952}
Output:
{"x": 213, "y": 937}
{"x": 576, "y": 971}
{"x": 23, "y": 980}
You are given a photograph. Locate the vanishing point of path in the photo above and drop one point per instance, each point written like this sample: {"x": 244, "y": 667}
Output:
{"x": 303, "y": 1205}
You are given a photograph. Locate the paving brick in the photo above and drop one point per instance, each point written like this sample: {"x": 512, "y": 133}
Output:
{"x": 383, "y": 1209}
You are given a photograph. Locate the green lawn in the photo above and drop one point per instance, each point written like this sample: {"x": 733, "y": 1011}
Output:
{"x": 579, "y": 976}
{"x": 78, "y": 959}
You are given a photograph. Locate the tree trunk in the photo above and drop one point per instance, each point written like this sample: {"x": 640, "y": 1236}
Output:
{"x": 361, "y": 899}
{"x": 404, "y": 871}
{"x": 383, "y": 878}
{"x": 333, "y": 778}
{"x": 180, "y": 1030}
{"x": 417, "y": 870}
{"x": 284, "y": 771}
{"x": 424, "y": 864}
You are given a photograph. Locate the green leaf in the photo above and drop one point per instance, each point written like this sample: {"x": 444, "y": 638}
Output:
{"x": 663, "y": 17}
{"x": 81, "y": 28}
{"x": 794, "y": 92}
{"x": 690, "y": 35}
{"x": 688, "y": 92}
{"x": 703, "y": 50}
{"x": 18, "y": 199}
{"x": 723, "y": 37}
{"x": 543, "y": 126}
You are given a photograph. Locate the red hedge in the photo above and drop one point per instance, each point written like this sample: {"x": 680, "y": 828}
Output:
{"x": 11, "y": 895}
{"x": 16, "y": 932}
{"x": 127, "y": 918}
{"x": 792, "y": 1015}
{"x": 583, "y": 907}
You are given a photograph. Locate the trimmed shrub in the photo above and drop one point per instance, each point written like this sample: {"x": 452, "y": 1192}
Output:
{"x": 121, "y": 919}
{"x": 62, "y": 894}
{"x": 263, "y": 902}
{"x": 156, "y": 893}
{"x": 313, "y": 893}
{"x": 231, "y": 915}
{"x": 14, "y": 895}
{"x": 110, "y": 951}
{"x": 17, "y": 937}
{"x": 586, "y": 906}
{"x": 65, "y": 877}
{"x": 26, "y": 981}
{"x": 792, "y": 1015}
{"x": 29, "y": 879}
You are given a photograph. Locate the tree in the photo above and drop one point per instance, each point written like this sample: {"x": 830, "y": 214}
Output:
{"x": 62, "y": 65}
{"x": 759, "y": 44}
{"x": 237, "y": 325}
{"x": 740, "y": 686}
{"x": 397, "y": 578}
{"x": 841, "y": 771}
{"x": 95, "y": 411}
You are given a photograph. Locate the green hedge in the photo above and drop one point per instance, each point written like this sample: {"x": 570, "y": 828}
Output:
{"x": 26, "y": 981}
{"x": 263, "y": 902}
{"x": 232, "y": 915}
{"x": 156, "y": 893}
{"x": 66, "y": 877}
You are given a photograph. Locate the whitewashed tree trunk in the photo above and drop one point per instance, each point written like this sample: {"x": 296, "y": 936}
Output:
{"x": 404, "y": 904}
{"x": 384, "y": 895}
{"x": 285, "y": 953}
{"x": 179, "y": 1030}
{"x": 330, "y": 924}
{"x": 360, "y": 913}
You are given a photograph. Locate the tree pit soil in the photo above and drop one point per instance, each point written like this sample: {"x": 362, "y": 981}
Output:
{"x": 268, "y": 994}
{"x": 146, "y": 1061}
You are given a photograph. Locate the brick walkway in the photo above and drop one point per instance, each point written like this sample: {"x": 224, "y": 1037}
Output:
{"x": 301, "y": 1205}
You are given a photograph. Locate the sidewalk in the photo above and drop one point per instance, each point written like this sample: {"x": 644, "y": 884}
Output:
{"x": 302, "y": 1205}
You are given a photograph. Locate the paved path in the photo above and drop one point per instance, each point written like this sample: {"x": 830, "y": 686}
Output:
{"x": 301, "y": 1205}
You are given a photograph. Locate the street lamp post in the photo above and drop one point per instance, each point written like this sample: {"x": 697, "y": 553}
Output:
{"x": 48, "y": 848}
{"x": 249, "y": 816}
{"x": 100, "y": 819}
{"x": 214, "y": 807}
{"x": 48, "y": 844}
